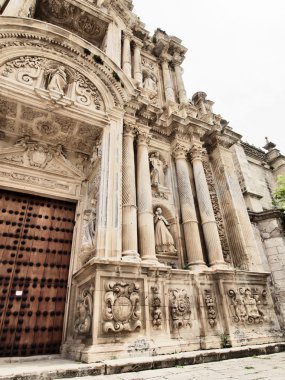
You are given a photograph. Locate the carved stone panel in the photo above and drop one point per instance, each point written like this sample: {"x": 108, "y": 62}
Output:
{"x": 247, "y": 305}
{"x": 84, "y": 312}
{"x": 180, "y": 309}
{"x": 156, "y": 305}
{"x": 122, "y": 309}
{"x": 210, "y": 303}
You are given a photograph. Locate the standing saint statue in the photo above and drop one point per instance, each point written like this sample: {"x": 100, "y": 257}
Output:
{"x": 164, "y": 242}
{"x": 157, "y": 171}
{"x": 57, "y": 80}
{"x": 89, "y": 231}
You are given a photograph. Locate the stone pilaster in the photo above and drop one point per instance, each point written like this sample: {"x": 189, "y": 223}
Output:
{"x": 23, "y": 8}
{"x": 210, "y": 229}
{"x": 189, "y": 218}
{"x": 138, "y": 63}
{"x": 240, "y": 233}
{"x": 127, "y": 59}
{"x": 167, "y": 81}
{"x": 129, "y": 238}
{"x": 144, "y": 198}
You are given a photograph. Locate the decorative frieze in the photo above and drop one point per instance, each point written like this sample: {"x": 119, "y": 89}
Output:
{"x": 122, "y": 310}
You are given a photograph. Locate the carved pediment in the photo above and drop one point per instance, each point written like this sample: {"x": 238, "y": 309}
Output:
{"x": 39, "y": 156}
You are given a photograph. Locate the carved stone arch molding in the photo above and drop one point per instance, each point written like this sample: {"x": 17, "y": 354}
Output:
{"x": 47, "y": 43}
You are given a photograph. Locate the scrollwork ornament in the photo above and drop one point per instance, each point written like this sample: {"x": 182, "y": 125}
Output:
{"x": 122, "y": 307}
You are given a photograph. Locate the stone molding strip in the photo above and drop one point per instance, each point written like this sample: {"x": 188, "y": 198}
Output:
{"x": 109, "y": 367}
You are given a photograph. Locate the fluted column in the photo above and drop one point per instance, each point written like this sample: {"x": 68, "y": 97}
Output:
{"x": 189, "y": 218}
{"x": 144, "y": 197}
{"x": 129, "y": 238}
{"x": 20, "y": 8}
{"x": 210, "y": 229}
{"x": 127, "y": 59}
{"x": 138, "y": 64}
{"x": 168, "y": 85}
{"x": 180, "y": 84}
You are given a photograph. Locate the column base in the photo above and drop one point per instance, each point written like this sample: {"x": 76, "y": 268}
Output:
{"x": 131, "y": 256}
{"x": 151, "y": 260}
{"x": 219, "y": 265}
{"x": 197, "y": 267}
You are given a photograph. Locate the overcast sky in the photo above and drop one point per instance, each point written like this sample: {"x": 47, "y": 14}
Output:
{"x": 236, "y": 54}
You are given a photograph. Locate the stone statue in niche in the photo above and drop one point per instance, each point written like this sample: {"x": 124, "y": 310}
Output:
{"x": 90, "y": 226}
{"x": 83, "y": 317}
{"x": 149, "y": 84}
{"x": 164, "y": 242}
{"x": 157, "y": 170}
{"x": 57, "y": 80}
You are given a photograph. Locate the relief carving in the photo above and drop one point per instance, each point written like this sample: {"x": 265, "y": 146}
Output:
{"x": 156, "y": 312}
{"x": 211, "y": 307}
{"x": 247, "y": 305}
{"x": 158, "y": 169}
{"x": 122, "y": 307}
{"x": 84, "y": 312}
{"x": 216, "y": 209}
{"x": 180, "y": 309}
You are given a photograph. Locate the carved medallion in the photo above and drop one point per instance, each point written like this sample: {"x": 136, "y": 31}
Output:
{"x": 180, "y": 309}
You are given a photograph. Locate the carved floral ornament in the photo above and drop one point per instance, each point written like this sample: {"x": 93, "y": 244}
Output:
{"x": 122, "y": 307}
{"x": 54, "y": 82}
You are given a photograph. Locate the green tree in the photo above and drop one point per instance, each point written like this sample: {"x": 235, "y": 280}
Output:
{"x": 279, "y": 193}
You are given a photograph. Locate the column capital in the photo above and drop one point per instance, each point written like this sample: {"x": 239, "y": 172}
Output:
{"x": 129, "y": 129}
{"x": 137, "y": 43}
{"x": 179, "y": 150}
{"x": 143, "y": 137}
{"x": 196, "y": 152}
{"x": 127, "y": 35}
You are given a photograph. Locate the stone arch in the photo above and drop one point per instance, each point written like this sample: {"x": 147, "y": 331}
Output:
{"x": 51, "y": 42}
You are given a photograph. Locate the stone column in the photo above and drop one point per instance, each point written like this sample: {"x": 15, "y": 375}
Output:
{"x": 239, "y": 230}
{"x": 144, "y": 197}
{"x": 129, "y": 238}
{"x": 189, "y": 218}
{"x": 210, "y": 229}
{"x": 168, "y": 85}
{"x": 180, "y": 84}
{"x": 23, "y": 8}
{"x": 138, "y": 64}
{"x": 127, "y": 59}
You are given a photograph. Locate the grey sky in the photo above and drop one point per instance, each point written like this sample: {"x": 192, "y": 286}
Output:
{"x": 236, "y": 54}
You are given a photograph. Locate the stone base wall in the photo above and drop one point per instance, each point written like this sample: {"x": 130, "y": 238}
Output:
{"x": 129, "y": 310}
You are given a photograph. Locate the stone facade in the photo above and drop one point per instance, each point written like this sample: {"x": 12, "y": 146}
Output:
{"x": 175, "y": 232}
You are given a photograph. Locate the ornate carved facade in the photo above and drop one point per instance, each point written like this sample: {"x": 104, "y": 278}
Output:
{"x": 172, "y": 240}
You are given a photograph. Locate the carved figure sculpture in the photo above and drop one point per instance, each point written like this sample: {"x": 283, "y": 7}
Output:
{"x": 90, "y": 227}
{"x": 180, "y": 309}
{"x": 57, "y": 80}
{"x": 163, "y": 238}
{"x": 149, "y": 83}
{"x": 83, "y": 319}
{"x": 157, "y": 171}
{"x": 250, "y": 304}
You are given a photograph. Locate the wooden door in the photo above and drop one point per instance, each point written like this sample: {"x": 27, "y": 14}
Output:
{"x": 35, "y": 245}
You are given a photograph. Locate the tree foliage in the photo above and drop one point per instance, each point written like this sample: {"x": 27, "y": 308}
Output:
{"x": 279, "y": 193}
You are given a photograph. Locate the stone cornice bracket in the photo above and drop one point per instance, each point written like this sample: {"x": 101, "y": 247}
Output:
{"x": 127, "y": 34}
{"x": 214, "y": 139}
{"x": 179, "y": 150}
